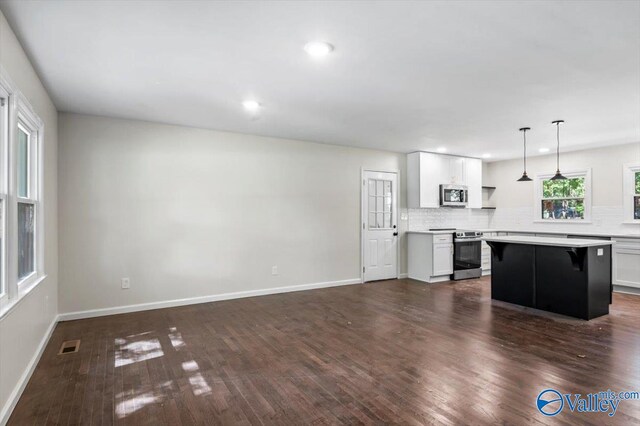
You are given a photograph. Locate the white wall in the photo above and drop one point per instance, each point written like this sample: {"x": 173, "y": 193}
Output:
{"x": 186, "y": 212}
{"x": 515, "y": 200}
{"x": 24, "y": 327}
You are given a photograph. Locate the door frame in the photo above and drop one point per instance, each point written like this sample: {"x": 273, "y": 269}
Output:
{"x": 363, "y": 170}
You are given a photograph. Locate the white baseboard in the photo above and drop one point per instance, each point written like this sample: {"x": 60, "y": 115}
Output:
{"x": 432, "y": 279}
{"x": 69, "y": 316}
{"x": 626, "y": 290}
{"x": 24, "y": 379}
{"x": 403, "y": 276}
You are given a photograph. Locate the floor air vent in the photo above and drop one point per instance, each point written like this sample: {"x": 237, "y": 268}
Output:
{"x": 69, "y": 347}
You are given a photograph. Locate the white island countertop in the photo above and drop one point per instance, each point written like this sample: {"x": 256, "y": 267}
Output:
{"x": 549, "y": 241}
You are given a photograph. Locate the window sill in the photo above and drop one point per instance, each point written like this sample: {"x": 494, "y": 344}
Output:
{"x": 632, "y": 222}
{"x": 6, "y": 309}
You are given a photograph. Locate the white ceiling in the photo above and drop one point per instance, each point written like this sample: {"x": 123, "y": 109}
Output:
{"x": 404, "y": 76}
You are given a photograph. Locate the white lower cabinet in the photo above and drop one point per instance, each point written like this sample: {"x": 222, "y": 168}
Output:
{"x": 442, "y": 259}
{"x": 486, "y": 254}
{"x": 430, "y": 257}
{"x": 626, "y": 262}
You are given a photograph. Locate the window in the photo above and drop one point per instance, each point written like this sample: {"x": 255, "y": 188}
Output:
{"x": 636, "y": 196}
{"x": 21, "y": 225}
{"x": 380, "y": 204}
{"x": 631, "y": 191}
{"x": 564, "y": 200}
{"x": 27, "y": 198}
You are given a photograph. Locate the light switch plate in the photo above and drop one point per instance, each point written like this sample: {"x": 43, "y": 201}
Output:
{"x": 600, "y": 252}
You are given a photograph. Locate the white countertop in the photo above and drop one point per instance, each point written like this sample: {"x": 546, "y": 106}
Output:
{"x": 615, "y": 234}
{"x": 549, "y": 241}
{"x": 451, "y": 231}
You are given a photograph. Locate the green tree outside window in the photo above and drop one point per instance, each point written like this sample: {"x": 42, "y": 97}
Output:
{"x": 636, "y": 198}
{"x": 564, "y": 199}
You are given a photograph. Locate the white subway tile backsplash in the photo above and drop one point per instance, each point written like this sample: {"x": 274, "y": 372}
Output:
{"x": 603, "y": 220}
{"x": 424, "y": 219}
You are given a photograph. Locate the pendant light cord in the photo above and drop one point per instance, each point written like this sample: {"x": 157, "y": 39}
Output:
{"x": 558, "y": 147}
{"x": 524, "y": 135}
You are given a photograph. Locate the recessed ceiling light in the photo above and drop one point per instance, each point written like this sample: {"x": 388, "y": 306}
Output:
{"x": 251, "y": 106}
{"x": 543, "y": 150}
{"x": 441, "y": 149}
{"x": 486, "y": 155}
{"x": 318, "y": 49}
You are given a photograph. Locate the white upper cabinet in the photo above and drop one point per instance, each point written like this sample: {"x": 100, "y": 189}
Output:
{"x": 423, "y": 173}
{"x": 457, "y": 171}
{"x": 473, "y": 173}
{"x": 427, "y": 171}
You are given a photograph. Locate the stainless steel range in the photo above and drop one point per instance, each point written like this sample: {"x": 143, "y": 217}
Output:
{"x": 467, "y": 255}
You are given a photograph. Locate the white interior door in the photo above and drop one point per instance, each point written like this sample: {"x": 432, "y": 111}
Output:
{"x": 380, "y": 225}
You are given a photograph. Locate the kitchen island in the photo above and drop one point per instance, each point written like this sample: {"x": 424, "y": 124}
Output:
{"x": 561, "y": 275}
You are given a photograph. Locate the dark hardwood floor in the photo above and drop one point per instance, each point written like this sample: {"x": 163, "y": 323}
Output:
{"x": 387, "y": 352}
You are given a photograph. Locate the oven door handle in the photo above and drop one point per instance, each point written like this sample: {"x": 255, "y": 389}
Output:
{"x": 468, "y": 240}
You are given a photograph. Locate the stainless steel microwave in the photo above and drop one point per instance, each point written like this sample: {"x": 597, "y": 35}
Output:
{"x": 453, "y": 195}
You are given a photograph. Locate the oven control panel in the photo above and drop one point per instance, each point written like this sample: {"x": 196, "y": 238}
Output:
{"x": 468, "y": 234}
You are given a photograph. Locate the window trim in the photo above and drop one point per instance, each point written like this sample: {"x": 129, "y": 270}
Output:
{"x": 27, "y": 119}
{"x": 4, "y": 293}
{"x": 629, "y": 171}
{"x": 537, "y": 210}
{"x": 19, "y": 110}
{"x": 4, "y": 189}
{"x": 24, "y": 128}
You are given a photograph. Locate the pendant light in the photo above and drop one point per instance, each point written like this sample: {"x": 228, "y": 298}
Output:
{"x": 524, "y": 177}
{"x": 558, "y": 175}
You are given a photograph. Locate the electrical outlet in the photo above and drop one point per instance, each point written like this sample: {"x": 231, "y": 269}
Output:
{"x": 274, "y": 270}
{"x": 126, "y": 283}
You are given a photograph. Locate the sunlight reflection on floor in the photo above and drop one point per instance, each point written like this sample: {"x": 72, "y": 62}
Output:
{"x": 176, "y": 338}
{"x": 198, "y": 383}
{"x": 142, "y": 347}
{"x": 129, "y": 351}
{"x": 130, "y": 403}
